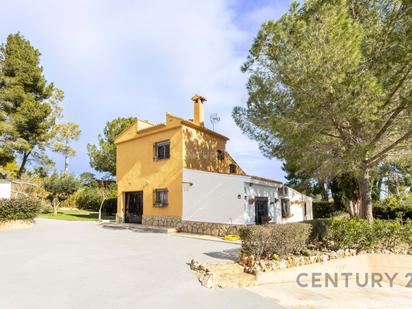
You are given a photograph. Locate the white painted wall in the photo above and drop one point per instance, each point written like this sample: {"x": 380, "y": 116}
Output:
{"x": 297, "y": 208}
{"x": 213, "y": 197}
{"x": 5, "y": 189}
{"x": 259, "y": 189}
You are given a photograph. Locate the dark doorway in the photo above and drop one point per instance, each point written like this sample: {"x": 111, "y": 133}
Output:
{"x": 261, "y": 210}
{"x": 133, "y": 207}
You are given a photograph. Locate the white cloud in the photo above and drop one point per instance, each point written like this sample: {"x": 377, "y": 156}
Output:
{"x": 141, "y": 58}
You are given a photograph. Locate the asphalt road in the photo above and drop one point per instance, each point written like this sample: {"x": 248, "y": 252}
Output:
{"x": 62, "y": 264}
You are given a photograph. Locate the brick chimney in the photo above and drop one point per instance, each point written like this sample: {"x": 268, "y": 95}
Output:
{"x": 199, "y": 110}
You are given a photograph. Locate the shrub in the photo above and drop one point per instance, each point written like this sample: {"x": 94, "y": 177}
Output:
{"x": 323, "y": 209}
{"x": 110, "y": 206}
{"x": 407, "y": 233}
{"x": 352, "y": 233}
{"x": 281, "y": 239}
{"x": 319, "y": 229}
{"x": 25, "y": 208}
{"x": 393, "y": 207}
{"x": 359, "y": 234}
{"x": 88, "y": 198}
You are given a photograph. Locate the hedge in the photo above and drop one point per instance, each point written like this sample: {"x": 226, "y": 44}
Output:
{"x": 281, "y": 239}
{"x": 264, "y": 241}
{"x": 394, "y": 207}
{"x": 24, "y": 208}
{"x": 323, "y": 209}
{"x": 389, "y": 212}
{"x": 110, "y": 206}
{"x": 360, "y": 234}
{"x": 88, "y": 198}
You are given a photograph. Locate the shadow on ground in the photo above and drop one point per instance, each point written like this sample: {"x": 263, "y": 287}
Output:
{"x": 230, "y": 254}
{"x": 136, "y": 229}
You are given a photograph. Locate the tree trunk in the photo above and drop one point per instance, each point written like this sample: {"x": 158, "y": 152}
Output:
{"x": 23, "y": 164}
{"x": 353, "y": 208}
{"x": 323, "y": 191}
{"x": 365, "y": 196}
{"x": 100, "y": 209}
{"x": 55, "y": 206}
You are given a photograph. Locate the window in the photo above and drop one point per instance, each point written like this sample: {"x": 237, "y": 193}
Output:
{"x": 220, "y": 155}
{"x": 305, "y": 210}
{"x": 160, "y": 198}
{"x": 162, "y": 150}
{"x": 232, "y": 169}
{"x": 283, "y": 191}
{"x": 285, "y": 204}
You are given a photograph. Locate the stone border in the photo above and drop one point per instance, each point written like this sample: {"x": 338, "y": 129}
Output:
{"x": 16, "y": 224}
{"x": 206, "y": 228}
{"x": 286, "y": 269}
{"x": 253, "y": 266}
{"x": 164, "y": 221}
{"x": 195, "y": 227}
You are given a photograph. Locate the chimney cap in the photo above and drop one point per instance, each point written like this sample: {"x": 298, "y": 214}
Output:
{"x": 198, "y": 97}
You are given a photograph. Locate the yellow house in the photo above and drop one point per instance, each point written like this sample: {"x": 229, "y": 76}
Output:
{"x": 180, "y": 171}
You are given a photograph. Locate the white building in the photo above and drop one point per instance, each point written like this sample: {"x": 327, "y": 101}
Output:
{"x": 5, "y": 188}
{"x": 238, "y": 199}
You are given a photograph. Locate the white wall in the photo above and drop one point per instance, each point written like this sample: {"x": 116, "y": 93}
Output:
{"x": 258, "y": 189}
{"x": 297, "y": 207}
{"x": 5, "y": 189}
{"x": 213, "y": 197}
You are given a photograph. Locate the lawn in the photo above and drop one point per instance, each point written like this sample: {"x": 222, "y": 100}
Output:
{"x": 75, "y": 215}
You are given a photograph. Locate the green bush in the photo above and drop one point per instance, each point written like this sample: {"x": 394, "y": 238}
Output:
{"x": 361, "y": 235}
{"x": 407, "y": 234}
{"x": 110, "y": 206}
{"x": 319, "y": 229}
{"x": 323, "y": 209}
{"x": 393, "y": 207}
{"x": 88, "y": 198}
{"x": 25, "y": 208}
{"x": 282, "y": 239}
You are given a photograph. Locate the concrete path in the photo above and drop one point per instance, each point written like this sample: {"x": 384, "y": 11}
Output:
{"x": 61, "y": 264}
{"x": 290, "y": 295}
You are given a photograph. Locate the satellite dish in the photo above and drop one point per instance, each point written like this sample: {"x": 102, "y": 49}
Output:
{"x": 214, "y": 119}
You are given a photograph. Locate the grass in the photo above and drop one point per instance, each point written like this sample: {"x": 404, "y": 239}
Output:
{"x": 75, "y": 215}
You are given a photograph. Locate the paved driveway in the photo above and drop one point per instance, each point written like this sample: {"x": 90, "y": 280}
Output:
{"x": 61, "y": 264}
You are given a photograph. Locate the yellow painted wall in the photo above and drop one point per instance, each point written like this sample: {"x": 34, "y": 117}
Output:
{"x": 138, "y": 171}
{"x": 200, "y": 152}
{"x": 189, "y": 147}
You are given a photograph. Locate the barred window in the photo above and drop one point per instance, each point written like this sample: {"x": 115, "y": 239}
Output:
{"x": 160, "y": 198}
{"x": 285, "y": 204}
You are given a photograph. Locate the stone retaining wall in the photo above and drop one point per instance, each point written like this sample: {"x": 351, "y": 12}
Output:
{"x": 165, "y": 221}
{"x": 206, "y": 228}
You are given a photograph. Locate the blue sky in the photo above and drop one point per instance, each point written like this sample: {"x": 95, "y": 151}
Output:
{"x": 143, "y": 58}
